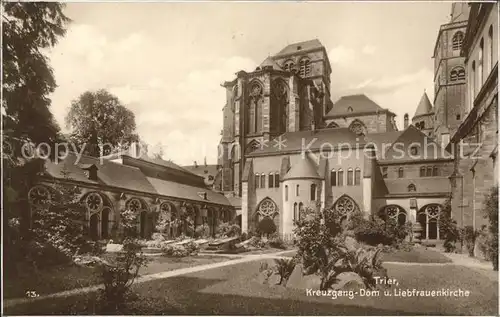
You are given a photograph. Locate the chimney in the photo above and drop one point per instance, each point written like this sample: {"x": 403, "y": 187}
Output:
{"x": 195, "y": 164}
{"x": 406, "y": 121}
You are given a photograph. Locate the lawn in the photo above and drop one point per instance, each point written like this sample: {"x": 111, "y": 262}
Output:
{"x": 233, "y": 290}
{"x": 69, "y": 277}
{"x": 416, "y": 255}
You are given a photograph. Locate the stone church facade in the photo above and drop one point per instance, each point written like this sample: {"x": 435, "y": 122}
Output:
{"x": 286, "y": 146}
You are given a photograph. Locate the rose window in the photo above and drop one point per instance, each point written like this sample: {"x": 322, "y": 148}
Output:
{"x": 345, "y": 205}
{"x": 432, "y": 211}
{"x": 134, "y": 205}
{"x": 267, "y": 208}
{"x": 39, "y": 196}
{"x": 394, "y": 214}
{"x": 94, "y": 202}
{"x": 256, "y": 90}
{"x": 357, "y": 128}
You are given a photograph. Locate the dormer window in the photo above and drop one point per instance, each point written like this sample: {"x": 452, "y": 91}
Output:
{"x": 350, "y": 109}
{"x": 90, "y": 170}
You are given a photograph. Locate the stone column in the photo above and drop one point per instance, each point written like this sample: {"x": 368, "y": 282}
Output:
{"x": 244, "y": 207}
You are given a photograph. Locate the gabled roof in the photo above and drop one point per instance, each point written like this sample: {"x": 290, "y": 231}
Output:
{"x": 293, "y": 141}
{"x": 108, "y": 173}
{"x": 424, "y": 106}
{"x": 382, "y": 141}
{"x": 270, "y": 62}
{"x": 202, "y": 170}
{"x": 303, "y": 169}
{"x": 428, "y": 148}
{"x": 301, "y": 46}
{"x": 358, "y": 103}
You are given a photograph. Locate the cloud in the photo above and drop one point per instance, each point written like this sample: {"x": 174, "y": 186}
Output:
{"x": 369, "y": 49}
{"x": 341, "y": 55}
{"x": 177, "y": 101}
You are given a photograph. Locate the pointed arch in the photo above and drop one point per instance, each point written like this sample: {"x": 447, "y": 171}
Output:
{"x": 279, "y": 105}
{"x": 345, "y": 205}
{"x": 332, "y": 125}
{"x": 304, "y": 66}
{"x": 253, "y": 120}
{"x": 393, "y": 213}
{"x": 358, "y": 127}
{"x": 267, "y": 208}
{"x": 457, "y": 40}
{"x": 428, "y": 216}
{"x": 252, "y": 146}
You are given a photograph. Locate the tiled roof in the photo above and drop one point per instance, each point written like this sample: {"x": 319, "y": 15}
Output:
{"x": 382, "y": 141}
{"x": 211, "y": 169}
{"x": 400, "y": 150}
{"x": 297, "y": 141}
{"x": 163, "y": 163}
{"x": 109, "y": 173}
{"x": 427, "y": 185}
{"x": 303, "y": 169}
{"x": 424, "y": 106}
{"x": 301, "y": 46}
{"x": 270, "y": 62}
{"x": 235, "y": 201}
{"x": 358, "y": 103}
{"x": 183, "y": 191}
{"x": 127, "y": 177}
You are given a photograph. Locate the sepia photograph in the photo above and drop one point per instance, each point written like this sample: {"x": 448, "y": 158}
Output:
{"x": 248, "y": 158}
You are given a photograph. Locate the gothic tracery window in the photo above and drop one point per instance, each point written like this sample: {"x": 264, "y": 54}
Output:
{"x": 94, "y": 202}
{"x": 289, "y": 66}
{"x": 254, "y": 110}
{"x": 345, "y": 205}
{"x": 267, "y": 208}
{"x": 279, "y": 106}
{"x": 428, "y": 217}
{"x": 357, "y": 127}
{"x": 39, "y": 196}
{"x": 394, "y": 214}
{"x": 134, "y": 205}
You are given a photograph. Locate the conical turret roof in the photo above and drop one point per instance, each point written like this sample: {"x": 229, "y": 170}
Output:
{"x": 424, "y": 106}
{"x": 303, "y": 169}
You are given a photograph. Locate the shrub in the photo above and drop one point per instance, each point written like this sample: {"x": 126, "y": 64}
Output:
{"x": 491, "y": 213}
{"x": 483, "y": 242}
{"x": 448, "y": 228}
{"x": 375, "y": 231}
{"x": 266, "y": 226}
{"x": 258, "y": 243}
{"x": 180, "y": 251}
{"x": 202, "y": 231}
{"x": 228, "y": 230}
{"x": 284, "y": 267}
{"x": 469, "y": 236}
{"x": 321, "y": 246}
{"x": 275, "y": 241}
{"x": 157, "y": 236}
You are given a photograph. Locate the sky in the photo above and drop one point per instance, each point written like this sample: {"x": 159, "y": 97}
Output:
{"x": 166, "y": 61}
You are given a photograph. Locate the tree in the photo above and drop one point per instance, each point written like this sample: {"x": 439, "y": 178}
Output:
{"x": 491, "y": 212}
{"x": 28, "y": 29}
{"x": 100, "y": 123}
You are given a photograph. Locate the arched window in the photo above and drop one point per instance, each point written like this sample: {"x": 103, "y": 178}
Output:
{"x": 412, "y": 188}
{"x": 267, "y": 208}
{"x": 357, "y": 127}
{"x": 297, "y": 190}
{"x": 429, "y": 171}
{"x": 340, "y": 178}
{"x": 333, "y": 177}
{"x": 305, "y": 67}
{"x": 301, "y": 210}
{"x": 295, "y": 212}
{"x": 473, "y": 84}
{"x": 400, "y": 172}
{"x": 345, "y": 205}
{"x": 457, "y": 40}
{"x": 422, "y": 171}
{"x": 313, "y": 192}
{"x": 286, "y": 192}
{"x": 357, "y": 176}
{"x": 263, "y": 180}
{"x": 253, "y": 122}
{"x": 257, "y": 180}
{"x": 350, "y": 176}
{"x": 332, "y": 125}
{"x": 435, "y": 171}
{"x": 276, "y": 180}
{"x": 394, "y": 214}
{"x": 457, "y": 73}
{"x": 491, "y": 48}
{"x": 270, "y": 180}
{"x": 289, "y": 66}
{"x": 428, "y": 217}
{"x": 349, "y": 109}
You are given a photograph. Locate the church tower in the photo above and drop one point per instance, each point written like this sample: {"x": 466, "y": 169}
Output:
{"x": 423, "y": 119}
{"x": 449, "y": 75}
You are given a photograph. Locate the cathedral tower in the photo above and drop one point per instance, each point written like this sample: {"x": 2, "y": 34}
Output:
{"x": 449, "y": 75}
